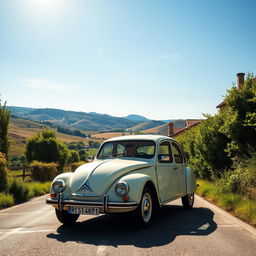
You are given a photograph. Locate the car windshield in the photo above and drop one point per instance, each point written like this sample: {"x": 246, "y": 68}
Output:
{"x": 127, "y": 148}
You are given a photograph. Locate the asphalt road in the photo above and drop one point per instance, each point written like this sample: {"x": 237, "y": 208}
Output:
{"x": 32, "y": 229}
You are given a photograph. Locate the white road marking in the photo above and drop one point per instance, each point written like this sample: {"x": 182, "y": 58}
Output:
{"x": 21, "y": 231}
{"x": 10, "y": 233}
{"x": 21, "y": 213}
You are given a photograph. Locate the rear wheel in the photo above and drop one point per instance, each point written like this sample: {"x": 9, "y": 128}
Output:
{"x": 188, "y": 201}
{"x": 146, "y": 209}
{"x": 66, "y": 218}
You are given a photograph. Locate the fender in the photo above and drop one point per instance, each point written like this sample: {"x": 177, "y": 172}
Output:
{"x": 136, "y": 182}
{"x": 66, "y": 177}
{"x": 190, "y": 180}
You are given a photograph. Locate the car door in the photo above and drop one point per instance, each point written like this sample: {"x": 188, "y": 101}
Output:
{"x": 166, "y": 172}
{"x": 179, "y": 164}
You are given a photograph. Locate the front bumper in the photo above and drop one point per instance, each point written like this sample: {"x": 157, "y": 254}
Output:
{"x": 104, "y": 207}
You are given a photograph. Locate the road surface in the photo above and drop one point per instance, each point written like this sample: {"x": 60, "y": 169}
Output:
{"x": 32, "y": 229}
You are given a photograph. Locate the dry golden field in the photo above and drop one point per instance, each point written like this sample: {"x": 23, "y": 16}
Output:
{"x": 20, "y": 130}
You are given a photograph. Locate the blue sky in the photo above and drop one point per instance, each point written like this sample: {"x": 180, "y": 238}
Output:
{"x": 161, "y": 59}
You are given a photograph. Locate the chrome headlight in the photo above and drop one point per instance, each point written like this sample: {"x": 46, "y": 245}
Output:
{"x": 59, "y": 186}
{"x": 122, "y": 188}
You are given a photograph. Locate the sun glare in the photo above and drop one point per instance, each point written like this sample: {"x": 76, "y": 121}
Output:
{"x": 47, "y": 4}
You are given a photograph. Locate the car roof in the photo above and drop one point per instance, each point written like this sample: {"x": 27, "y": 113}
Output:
{"x": 156, "y": 138}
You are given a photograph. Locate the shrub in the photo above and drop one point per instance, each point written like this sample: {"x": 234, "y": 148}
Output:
{"x": 37, "y": 188}
{"x": 45, "y": 147}
{"x": 6, "y": 200}
{"x": 3, "y": 173}
{"x": 19, "y": 190}
{"x": 43, "y": 171}
{"x": 75, "y": 165}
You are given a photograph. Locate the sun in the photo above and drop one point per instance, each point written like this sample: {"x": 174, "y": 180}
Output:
{"x": 47, "y": 4}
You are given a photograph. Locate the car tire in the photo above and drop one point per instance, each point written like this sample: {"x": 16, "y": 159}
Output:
{"x": 66, "y": 218}
{"x": 146, "y": 209}
{"x": 188, "y": 201}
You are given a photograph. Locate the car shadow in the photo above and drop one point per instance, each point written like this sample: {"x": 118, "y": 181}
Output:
{"x": 115, "y": 230}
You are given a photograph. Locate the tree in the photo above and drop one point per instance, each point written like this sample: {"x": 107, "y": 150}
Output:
{"x": 218, "y": 142}
{"x": 45, "y": 147}
{"x": 73, "y": 156}
{"x": 4, "y": 124}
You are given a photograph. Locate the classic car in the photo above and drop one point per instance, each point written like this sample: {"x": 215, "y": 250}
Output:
{"x": 135, "y": 173}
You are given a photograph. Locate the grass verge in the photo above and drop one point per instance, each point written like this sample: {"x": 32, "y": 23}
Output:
{"x": 19, "y": 191}
{"x": 239, "y": 206}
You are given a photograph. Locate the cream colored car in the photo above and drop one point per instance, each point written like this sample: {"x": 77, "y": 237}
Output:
{"x": 136, "y": 173}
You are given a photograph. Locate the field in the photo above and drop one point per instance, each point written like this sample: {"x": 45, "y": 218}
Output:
{"x": 21, "y": 129}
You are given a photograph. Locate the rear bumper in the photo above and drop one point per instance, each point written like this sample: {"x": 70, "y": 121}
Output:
{"x": 104, "y": 207}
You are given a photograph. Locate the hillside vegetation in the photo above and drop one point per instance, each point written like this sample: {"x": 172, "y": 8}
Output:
{"x": 21, "y": 129}
{"x": 79, "y": 120}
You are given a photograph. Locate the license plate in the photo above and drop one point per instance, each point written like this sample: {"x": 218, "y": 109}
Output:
{"x": 83, "y": 210}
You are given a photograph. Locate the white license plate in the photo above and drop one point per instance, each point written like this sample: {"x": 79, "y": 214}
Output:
{"x": 83, "y": 210}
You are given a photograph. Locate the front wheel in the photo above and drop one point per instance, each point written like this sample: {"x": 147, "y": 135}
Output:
{"x": 188, "y": 201}
{"x": 66, "y": 218}
{"x": 146, "y": 209}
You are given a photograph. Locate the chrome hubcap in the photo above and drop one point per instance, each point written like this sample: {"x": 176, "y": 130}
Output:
{"x": 191, "y": 198}
{"x": 146, "y": 207}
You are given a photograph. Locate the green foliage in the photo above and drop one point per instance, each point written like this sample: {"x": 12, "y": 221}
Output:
{"x": 240, "y": 206}
{"x": 73, "y": 156}
{"x": 43, "y": 171}
{"x": 4, "y": 124}
{"x": 17, "y": 161}
{"x": 3, "y": 173}
{"x": 6, "y": 200}
{"x": 240, "y": 119}
{"x": 38, "y": 188}
{"x": 94, "y": 144}
{"x": 82, "y": 155}
{"x": 44, "y": 147}
{"x": 76, "y": 145}
{"x": 218, "y": 142}
{"x": 19, "y": 190}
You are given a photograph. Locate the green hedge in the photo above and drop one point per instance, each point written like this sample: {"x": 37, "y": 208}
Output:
{"x": 3, "y": 173}
{"x": 43, "y": 171}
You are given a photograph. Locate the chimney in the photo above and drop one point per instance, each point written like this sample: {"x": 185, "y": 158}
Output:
{"x": 240, "y": 80}
{"x": 170, "y": 129}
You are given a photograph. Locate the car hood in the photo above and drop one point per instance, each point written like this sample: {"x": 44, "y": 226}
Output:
{"x": 97, "y": 177}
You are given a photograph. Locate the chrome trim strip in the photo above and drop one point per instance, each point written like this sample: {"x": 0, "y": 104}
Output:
{"x": 60, "y": 207}
{"x": 84, "y": 195}
{"x": 105, "y": 203}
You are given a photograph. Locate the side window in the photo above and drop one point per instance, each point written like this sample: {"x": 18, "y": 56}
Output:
{"x": 120, "y": 150}
{"x": 164, "y": 153}
{"x": 177, "y": 153}
{"x": 106, "y": 151}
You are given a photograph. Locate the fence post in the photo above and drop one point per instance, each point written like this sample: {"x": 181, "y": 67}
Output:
{"x": 24, "y": 172}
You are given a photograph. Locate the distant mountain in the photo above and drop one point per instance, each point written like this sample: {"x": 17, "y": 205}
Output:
{"x": 78, "y": 120}
{"x": 87, "y": 121}
{"x": 146, "y": 125}
{"x": 137, "y": 118}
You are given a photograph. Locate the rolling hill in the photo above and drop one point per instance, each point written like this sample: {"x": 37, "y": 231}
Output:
{"x": 79, "y": 120}
{"x": 21, "y": 129}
